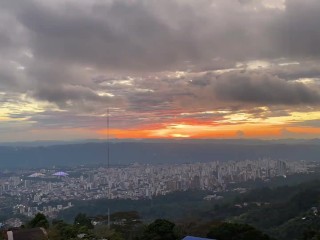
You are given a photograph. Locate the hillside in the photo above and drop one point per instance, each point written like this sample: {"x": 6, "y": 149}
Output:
{"x": 285, "y": 212}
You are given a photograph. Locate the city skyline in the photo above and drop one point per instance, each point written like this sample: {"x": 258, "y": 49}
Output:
{"x": 46, "y": 190}
{"x": 165, "y": 69}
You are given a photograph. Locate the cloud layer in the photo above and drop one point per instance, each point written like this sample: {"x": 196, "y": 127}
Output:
{"x": 153, "y": 62}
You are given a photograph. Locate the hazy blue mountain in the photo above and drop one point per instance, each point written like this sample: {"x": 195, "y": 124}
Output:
{"x": 154, "y": 152}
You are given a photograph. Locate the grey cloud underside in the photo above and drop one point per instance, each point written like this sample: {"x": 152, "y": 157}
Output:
{"x": 120, "y": 35}
{"x": 150, "y": 37}
{"x": 297, "y": 31}
{"x": 264, "y": 89}
{"x": 147, "y": 35}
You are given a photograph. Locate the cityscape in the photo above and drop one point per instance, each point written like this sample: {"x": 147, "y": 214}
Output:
{"x": 51, "y": 191}
{"x": 159, "y": 120}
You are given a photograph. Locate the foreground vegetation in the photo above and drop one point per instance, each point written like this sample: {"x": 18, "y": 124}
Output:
{"x": 130, "y": 228}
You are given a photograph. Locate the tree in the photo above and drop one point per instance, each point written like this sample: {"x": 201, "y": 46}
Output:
{"x": 160, "y": 229}
{"x": 39, "y": 220}
{"x": 82, "y": 220}
{"x": 236, "y": 231}
{"x": 68, "y": 232}
{"x": 126, "y": 223}
{"x": 62, "y": 230}
{"x": 311, "y": 234}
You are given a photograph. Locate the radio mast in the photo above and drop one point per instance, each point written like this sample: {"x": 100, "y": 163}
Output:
{"x": 108, "y": 140}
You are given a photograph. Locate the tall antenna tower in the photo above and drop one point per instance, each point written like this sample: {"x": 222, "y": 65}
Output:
{"x": 108, "y": 139}
{"x": 108, "y": 158}
{"x": 109, "y": 218}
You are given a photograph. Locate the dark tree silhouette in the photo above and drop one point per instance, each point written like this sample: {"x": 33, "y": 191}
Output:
{"x": 236, "y": 231}
{"x": 160, "y": 229}
{"x": 82, "y": 220}
{"x": 39, "y": 220}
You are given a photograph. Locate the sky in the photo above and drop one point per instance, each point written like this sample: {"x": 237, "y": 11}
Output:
{"x": 164, "y": 69}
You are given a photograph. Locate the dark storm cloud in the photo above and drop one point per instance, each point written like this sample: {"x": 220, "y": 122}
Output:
{"x": 306, "y": 69}
{"x": 12, "y": 34}
{"x": 11, "y": 77}
{"x": 66, "y": 86}
{"x": 297, "y": 33}
{"x": 66, "y": 93}
{"x": 118, "y": 35}
{"x": 144, "y": 35}
{"x": 152, "y": 37}
{"x": 149, "y": 34}
{"x": 264, "y": 89}
{"x": 8, "y": 80}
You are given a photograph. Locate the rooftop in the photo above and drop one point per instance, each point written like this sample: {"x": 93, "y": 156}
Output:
{"x": 195, "y": 238}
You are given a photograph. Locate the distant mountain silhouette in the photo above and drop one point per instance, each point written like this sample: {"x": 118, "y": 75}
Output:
{"x": 155, "y": 152}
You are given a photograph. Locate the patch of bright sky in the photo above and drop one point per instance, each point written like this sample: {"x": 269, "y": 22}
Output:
{"x": 221, "y": 71}
{"x": 23, "y": 105}
{"x": 180, "y": 129}
{"x": 177, "y": 135}
{"x": 105, "y": 94}
{"x": 218, "y": 112}
{"x": 307, "y": 80}
{"x": 237, "y": 117}
{"x": 253, "y": 65}
{"x": 180, "y": 74}
{"x": 293, "y": 117}
{"x": 144, "y": 90}
{"x": 288, "y": 63}
{"x": 17, "y": 65}
{"x": 250, "y": 65}
{"x": 124, "y": 82}
{"x": 189, "y": 130}
{"x": 176, "y": 74}
{"x": 274, "y": 4}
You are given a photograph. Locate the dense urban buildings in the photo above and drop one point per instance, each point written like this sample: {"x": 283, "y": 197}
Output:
{"x": 50, "y": 191}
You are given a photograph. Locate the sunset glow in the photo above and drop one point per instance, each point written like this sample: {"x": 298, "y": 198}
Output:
{"x": 214, "y": 131}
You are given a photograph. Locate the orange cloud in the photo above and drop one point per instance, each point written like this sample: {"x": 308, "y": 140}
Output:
{"x": 197, "y": 128}
{"x": 304, "y": 130}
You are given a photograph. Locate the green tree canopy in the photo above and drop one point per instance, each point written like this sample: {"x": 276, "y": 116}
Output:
{"x": 160, "y": 229}
{"x": 82, "y": 220}
{"x": 61, "y": 230}
{"x": 39, "y": 220}
{"x": 236, "y": 231}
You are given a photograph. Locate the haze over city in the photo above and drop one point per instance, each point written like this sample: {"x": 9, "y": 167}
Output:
{"x": 165, "y": 69}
